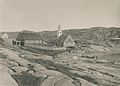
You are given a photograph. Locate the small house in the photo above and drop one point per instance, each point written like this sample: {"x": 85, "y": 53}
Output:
{"x": 8, "y": 37}
{"x": 4, "y": 36}
{"x": 28, "y": 38}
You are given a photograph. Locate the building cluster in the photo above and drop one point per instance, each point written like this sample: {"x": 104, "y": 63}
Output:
{"x": 26, "y": 38}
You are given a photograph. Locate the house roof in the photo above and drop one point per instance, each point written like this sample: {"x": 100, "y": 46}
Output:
{"x": 28, "y": 36}
{"x": 61, "y": 39}
{"x": 1, "y": 40}
{"x": 1, "y": 34}
{"x": 12, "y": 34}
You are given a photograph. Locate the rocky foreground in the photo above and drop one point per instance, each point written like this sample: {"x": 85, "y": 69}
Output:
{"x": 23, "y": 68}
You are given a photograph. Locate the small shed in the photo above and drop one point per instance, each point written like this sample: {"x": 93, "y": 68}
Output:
{"x": 4, "y": 36}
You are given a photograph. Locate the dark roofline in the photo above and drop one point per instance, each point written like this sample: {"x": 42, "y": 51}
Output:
{"x": 28, "y": 36}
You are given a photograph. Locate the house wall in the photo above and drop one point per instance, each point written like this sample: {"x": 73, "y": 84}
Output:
{"x": 69, "y": 42}
{"x": 33, "y": 42}
{"x": 9, "y": 41}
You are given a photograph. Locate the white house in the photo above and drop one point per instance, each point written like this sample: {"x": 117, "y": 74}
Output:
{"x": 4, "y": 36}
{"x": 9, "y": 37}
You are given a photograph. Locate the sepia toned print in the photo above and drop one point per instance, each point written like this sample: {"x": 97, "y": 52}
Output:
{"x": 59, "y": 42}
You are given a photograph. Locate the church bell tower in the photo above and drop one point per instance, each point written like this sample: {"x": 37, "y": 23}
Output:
{"x": 59, "y": 31}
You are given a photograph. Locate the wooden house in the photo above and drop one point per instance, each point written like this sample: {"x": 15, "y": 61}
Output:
{"x": 30, "y": 38}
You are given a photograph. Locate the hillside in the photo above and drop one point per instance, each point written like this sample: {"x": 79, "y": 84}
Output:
{"x": 65, "y": 69}
{"x": 88, "y": 66}
{"x": 94, "y": 35}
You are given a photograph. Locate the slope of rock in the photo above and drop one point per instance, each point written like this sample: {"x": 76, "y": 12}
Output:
{"x": 6, "y": 79}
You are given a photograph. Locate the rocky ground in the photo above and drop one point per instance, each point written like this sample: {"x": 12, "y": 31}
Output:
{"x": 23, "y": 68}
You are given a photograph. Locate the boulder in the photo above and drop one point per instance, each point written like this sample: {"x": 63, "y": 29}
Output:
{"x": 38, "y": 67}
{"x": 6, "y": 79}
{"x": 51, "y": 80}
{"x": 20, "y": 69}
{"x": 57, "y": 80}
{"x": 64, "y": 82}
{"x": 6, "y": 69}
{"x": 85, "y": 82}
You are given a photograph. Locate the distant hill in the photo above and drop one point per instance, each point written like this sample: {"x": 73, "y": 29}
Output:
{"x": 94, "y": 35}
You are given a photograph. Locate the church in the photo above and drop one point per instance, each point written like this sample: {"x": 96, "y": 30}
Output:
{"x": 63, "y": 40}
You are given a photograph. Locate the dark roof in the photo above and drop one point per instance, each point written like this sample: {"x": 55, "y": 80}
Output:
{"x": 28, "y": 36}
{"x": 61, "y": 39}
{"x": 1, "y": 34}
{"x": 1, "y": 40}
{"x": 12, "y": 34}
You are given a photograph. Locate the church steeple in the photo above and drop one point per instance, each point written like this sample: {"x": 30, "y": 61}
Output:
{"x": 59, "y": 31}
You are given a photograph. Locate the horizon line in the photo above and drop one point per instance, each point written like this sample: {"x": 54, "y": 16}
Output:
{"x": 66, "y": 29}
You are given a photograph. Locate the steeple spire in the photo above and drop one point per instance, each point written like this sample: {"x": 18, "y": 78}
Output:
{"x": 59, "y": 27}
{"x": 59, "y": 31}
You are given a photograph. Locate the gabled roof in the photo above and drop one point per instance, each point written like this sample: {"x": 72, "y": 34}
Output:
{"x": 1, "y": 34}
{"x": 61, "y": 39}
{"x": 1, "y": 40}
{"x": 12, "y": 34}
{"x": 28, "y": 36}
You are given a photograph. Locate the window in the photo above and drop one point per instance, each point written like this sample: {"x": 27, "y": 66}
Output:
{"x": 17, "y": 43}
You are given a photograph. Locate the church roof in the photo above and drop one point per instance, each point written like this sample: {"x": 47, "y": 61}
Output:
{"x": 61, "y": 39}
{"x": 59, "y": 27}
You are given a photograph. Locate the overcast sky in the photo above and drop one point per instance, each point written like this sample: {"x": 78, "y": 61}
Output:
{"x": 39, "y": 15}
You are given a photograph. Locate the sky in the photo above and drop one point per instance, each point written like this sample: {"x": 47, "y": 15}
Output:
{"x": 42, "y": 15}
